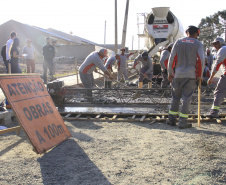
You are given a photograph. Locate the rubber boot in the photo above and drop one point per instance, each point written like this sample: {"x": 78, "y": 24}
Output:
{"x": 149, "y": 85}
{"x": 183, "y": 123}
{"x": 106, "y": 84}
{"x": 89, "y": 94}
{"x": 172, "y": 120}
{"x": 214, "y": 113}
{"x": 109, "y": 84}
{"x": 140, "y": 85}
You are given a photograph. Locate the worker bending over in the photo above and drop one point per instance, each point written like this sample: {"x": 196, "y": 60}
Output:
{"x": 122, "y": 66}
{"x": 146, "y": 70}
{"x": 89, "y": 65}
{"x": 220, "y": 90}
{"x": 164, "y": 63}
{"x": 109, "y": 63}
{"x": 187, "y": 56}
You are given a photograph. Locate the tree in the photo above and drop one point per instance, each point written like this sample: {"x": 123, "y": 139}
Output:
{"x": 212, "y": 27}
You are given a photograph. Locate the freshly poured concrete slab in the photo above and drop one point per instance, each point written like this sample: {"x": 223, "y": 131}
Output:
{"x": 117, "y": 110}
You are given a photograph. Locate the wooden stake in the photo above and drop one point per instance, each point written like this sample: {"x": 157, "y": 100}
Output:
{"x": 9, "y": 68}
{"x": 199, "y": 102}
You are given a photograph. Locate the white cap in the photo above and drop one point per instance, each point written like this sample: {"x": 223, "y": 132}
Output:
{"x": 220, "y": 40}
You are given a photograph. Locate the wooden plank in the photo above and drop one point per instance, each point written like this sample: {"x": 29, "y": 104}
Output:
{"x": 158, "y": 118}
{"x": 143, "y": 117}
{"x": 98, "y": 116}
{"x": 78, "y": 116}
{"x": 218, "y": 120}
{"x": 132, "y": 117}
{"x": 114, "y": 117}
{"x": 68, "y": 115}
{"x": 10, "y": 129}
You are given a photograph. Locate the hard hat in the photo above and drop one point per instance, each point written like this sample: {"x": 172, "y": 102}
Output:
{"x": 123, "y": 49}
{"x": 220, "y": 40}
{"x": 192, "y": 29}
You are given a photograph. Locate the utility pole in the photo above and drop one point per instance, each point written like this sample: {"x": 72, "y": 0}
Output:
{"x": 105, "y": 34}
{"x": 132, "y": 42}
{"x": 125, "y": 25}
{"x": 116, "y": 29}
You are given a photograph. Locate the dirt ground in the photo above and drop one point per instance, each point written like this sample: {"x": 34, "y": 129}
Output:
{"x": 102, "y": 153}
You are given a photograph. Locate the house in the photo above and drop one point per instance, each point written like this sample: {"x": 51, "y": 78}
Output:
{"x": 67, "y": 45}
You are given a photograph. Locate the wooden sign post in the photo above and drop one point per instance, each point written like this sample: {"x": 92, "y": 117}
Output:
{"x": 34, "y": 110}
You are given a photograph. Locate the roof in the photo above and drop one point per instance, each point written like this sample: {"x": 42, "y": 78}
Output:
{"x": 73, "y": 37}
{"x": 53, "y": 34}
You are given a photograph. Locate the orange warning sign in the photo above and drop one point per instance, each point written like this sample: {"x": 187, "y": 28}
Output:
{"x": 35, "y": 110}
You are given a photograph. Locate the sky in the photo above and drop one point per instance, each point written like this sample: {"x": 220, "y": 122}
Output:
{"x": 86, "y": 18}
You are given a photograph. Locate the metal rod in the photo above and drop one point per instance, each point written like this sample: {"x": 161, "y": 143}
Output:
{"x": 116, "y": 29}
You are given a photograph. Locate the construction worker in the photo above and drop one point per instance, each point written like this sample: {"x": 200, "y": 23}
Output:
{"x": 89, "y": 65}
{"x": 146, "y": 70}
{"x": 48, "y": 52}
{"x": 209, "y": 59}
{"x": 220, "y": 90}
{"x": 188, "y": 54}
{"x": 206, "y": 73}
{"x": 164, "y": 63}
{"x": 108, "y": 64}
{"x": 122, "y": 66}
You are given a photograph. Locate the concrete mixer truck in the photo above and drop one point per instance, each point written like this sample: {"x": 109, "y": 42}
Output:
{"x": 161, "y": 27}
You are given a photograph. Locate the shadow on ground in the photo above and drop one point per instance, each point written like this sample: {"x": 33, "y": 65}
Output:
{"x": 193, "y": 130}
{"x": 69, "y": 164}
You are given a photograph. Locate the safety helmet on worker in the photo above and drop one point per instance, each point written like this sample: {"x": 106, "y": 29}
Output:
{"x": 220, "y": 40}
{"x": 192, "y": 30}
{"x": 103, "y": 52}
{"x": 145, "y": 55}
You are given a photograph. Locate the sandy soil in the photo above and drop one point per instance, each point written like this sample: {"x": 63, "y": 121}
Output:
{"x": 100, "y": 153}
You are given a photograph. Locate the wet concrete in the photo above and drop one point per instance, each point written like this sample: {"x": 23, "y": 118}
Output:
{"x": 116, "y": 110}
